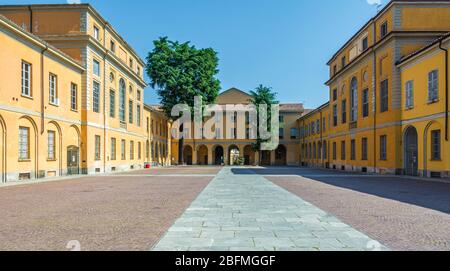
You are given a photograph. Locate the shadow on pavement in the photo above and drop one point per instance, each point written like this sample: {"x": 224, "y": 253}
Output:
{"x": 431, "y": 195}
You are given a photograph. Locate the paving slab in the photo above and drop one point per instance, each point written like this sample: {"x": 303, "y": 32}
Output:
{"x": 247, "y": 212}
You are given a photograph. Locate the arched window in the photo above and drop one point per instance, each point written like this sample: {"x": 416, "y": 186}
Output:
{"x": 354, "y": 100}
{"x": 122, "y": 93}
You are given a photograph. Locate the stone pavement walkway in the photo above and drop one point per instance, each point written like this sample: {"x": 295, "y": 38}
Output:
{"x": 249, "y": 213}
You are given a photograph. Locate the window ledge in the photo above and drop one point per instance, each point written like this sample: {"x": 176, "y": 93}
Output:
{"x": 408, "y": 108}
{"x": 51, "y": 160}
{"x": 53, "y": 104}
{"x": 436, "y": 160}
{"x": 27, "y": 97}
{"x": 433, "y": 101}
{"x": 24, "y": 160}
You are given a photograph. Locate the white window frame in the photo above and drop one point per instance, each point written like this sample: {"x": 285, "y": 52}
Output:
{"x": 409, "y": 94}
{"x": 51, "y": 147}
{"x": 53, "y": 89}
{"x": 26, "y": 79}
{"x": 433, "y": 86}
{"x": 73, "y": 97}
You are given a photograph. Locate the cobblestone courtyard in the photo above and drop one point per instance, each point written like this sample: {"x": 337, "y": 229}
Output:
{"x": 211, "y": 208}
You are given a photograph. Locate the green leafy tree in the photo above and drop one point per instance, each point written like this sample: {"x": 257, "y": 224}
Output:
{"x": 262, "y": 95}
{"x": 179, "y": 72}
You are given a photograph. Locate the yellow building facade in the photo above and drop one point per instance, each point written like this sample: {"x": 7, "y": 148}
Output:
{"x": 366, "y": 109}
{"x": 82, "y": 108}
{"x": 226, "y": 151}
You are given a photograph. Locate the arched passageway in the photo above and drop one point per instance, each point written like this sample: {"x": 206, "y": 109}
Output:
{"x": 411, "y": 151}
{"x": 218, "y": 155}
{"x": 249, "y": 156}
{"x": 233, "y": 155}
{"x": 187, "y": 155}
{"x": 202, "y": 155}
{"x": 281, "y": 156}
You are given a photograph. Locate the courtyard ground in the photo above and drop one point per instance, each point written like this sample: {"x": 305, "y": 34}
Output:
{"x": 213, "y": 208}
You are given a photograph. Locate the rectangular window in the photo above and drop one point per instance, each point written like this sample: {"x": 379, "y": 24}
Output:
{"x": 131, "y": 63}
{"x": 26, "y": 79}
{"x": 383, "y": 147}
{"x": 334, "y": 94}
{"x": 433, "y": 89}
{"x": 384, "y": 96}
{"x": 384, "y": 29}
{"x": 334, "y": 151}
{"x": 73, "y": 97}
{"x": 123, "y": 149}
{"x": 281, "y": 133}
{"x": 436, "y": 145}
{"x": 294, "y": 133}
{"x": 334, "y": 69}
{"x": 409, "y": 95}
{"x": 113, "y": 46}
{"x": 112, "y": 103}
{"x": 138, "y": 94}
{"x": 51, "y": 145}
{"x": 353, "y": 149}
{"x": 343, "y": 61}
{"x": 324, "y": 125}
{"x": 343, "y": 150}
{"x": 281, "y": 119}
{"x": 365, "y": 44}
{"x": 344, "y": 111}
{"x": 96, "y": 97}
{"x": 130, "y": 111}
{"x": 335, "y": 115}
{"x": 365, "y": 103}
{"x": 138, "y": 115}
{"x": 113, "y": 149}
{"x": 53, "y": 96}
{"x": 131, "y": 150}
{"x": 96, "y": 68}
{"x": 24, "y": 143}
{"x": 364, "y": 154}
{"x": 139, "y": 150}
{"x": 97, "y": 147}
{"x": 96, "y": 33}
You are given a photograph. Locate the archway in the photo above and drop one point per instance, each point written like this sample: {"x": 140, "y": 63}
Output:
{"x": 233, "y": 155}
{"x": 218, "y": 155}
{"x": 3, "y": 145}
{"x": 410, "y": 147}
{"x": 54, "y": 146}
{"x": 249, "y": 156}
{"x": 281, "y": 156}
{"x": 202, "y": 155}
{"x": 265, "y": 158}
{"x": 72, "y": 141}
{"x": 187, "y": 155}
{"x": 28, "y": 148}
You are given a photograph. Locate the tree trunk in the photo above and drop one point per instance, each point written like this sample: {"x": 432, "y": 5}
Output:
{"x": 180, "y": 147}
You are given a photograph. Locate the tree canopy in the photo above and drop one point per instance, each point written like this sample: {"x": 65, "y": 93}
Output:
{"x": 180, "y": 71}
{"x": 263, "y": 95}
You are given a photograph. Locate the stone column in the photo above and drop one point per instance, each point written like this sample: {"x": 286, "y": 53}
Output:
{"x": 210, "y": 155}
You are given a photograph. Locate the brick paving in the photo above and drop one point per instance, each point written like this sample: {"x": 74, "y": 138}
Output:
{"x": 102, "y": 213}
{"x": 247, "y": 212}
{"x": 402, "y": 213}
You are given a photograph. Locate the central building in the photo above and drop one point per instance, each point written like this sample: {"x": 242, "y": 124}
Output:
{"x": 228, "y": 151}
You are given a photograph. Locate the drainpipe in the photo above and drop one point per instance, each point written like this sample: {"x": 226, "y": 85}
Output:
{"x": 31, "y": 18}
{"x": 42, "y": 89}
{"x": 446, "y": 88}
{"x": 104, "y": 99}
{"x": 374, "y": 71}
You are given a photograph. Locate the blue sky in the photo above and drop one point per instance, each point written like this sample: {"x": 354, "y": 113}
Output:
{"x": 284, "y": 44}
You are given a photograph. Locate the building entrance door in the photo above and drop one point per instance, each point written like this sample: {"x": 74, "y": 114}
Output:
{"x": 73, "y": 165}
